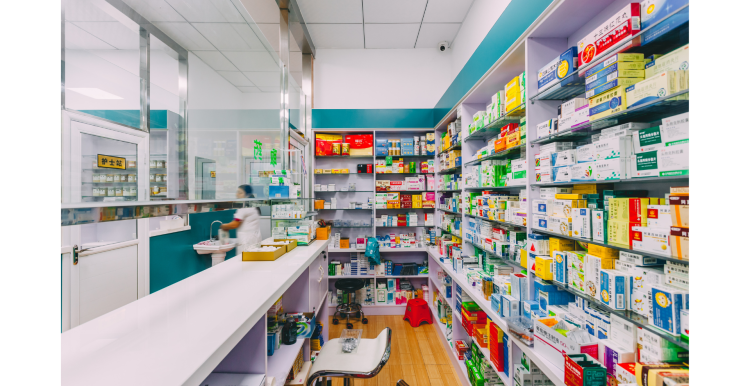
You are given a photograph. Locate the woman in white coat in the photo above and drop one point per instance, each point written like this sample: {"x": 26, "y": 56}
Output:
{"x": 246, "y": 221}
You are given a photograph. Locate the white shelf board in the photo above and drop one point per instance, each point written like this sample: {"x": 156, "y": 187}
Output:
{"x": 282, "y": 360}
{"x": 382, "y": 250}
{"x": 552, "y": 372}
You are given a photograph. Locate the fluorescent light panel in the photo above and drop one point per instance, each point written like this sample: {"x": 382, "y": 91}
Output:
{"x": 95, "y": 93}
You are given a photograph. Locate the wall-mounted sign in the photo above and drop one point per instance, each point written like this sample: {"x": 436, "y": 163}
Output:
{"x": 213, "y": 174}
{"x": 109, "y": 162}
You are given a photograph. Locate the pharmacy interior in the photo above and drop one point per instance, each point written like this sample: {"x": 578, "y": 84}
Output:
{"x": 534, "y": 222}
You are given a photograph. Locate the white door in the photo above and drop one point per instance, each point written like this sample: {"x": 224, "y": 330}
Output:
{"x": 104, "y": 265}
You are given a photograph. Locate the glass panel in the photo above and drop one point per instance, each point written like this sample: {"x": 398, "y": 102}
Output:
{"x": 109, "y": 183}
{"x": 167, "y": 134}
{"x": 101, "y": 73}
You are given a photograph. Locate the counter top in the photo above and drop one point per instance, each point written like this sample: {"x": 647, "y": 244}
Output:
{"x": 180, "y": 334}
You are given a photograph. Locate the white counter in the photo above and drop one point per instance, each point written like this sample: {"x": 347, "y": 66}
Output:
{"x": 179, "y": 334}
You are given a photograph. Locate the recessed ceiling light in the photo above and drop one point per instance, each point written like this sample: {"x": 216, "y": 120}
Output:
{"x": 94, "y": 93}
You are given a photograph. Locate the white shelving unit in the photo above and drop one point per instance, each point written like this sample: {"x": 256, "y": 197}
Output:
{"x": 365, "y": 188}
{"x": 558, "y": 28}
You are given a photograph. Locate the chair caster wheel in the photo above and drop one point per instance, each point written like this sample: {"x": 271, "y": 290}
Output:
{"x": 364, "y": 320}
{"x": 349, "y": 326}
{"x": 335, "y": 321}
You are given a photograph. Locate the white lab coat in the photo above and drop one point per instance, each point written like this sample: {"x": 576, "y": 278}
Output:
{"x": 248, "y": 234}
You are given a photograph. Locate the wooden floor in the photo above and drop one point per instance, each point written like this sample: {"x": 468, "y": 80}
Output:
{"x": 417, "y": 354}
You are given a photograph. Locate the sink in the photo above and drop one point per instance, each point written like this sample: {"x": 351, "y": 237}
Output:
{"x": 218, "y": 251}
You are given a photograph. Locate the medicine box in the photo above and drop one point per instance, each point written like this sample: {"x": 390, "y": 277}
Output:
{"x": 668, "y": 303}
{"x": 559, "y": 225}
{"x": 612, "y": 169}
{"x": 644, "y": 165}
{"x": 677, "y": 60}
{"x": 651, "y": 240}
{"x": 585, "y": 153}
{"x": 636, "y": 259}
{"x": 615, "y": 147}
{"x": 621, "y": 25}
{"x": 547, "y": 75}
{"x": 675, "y": 130}
{"x": 559, "y": 266}
{"x": 658, "y": 86}
{"x": 611, "y": 354}
{"x": 614, "y": 289}
{"x": 648, "y": 139}
{"x": 616, "y": 58}
{"x": 579, "y": 117}
{"x": 563, "y": 158}
{"x": 581, "y": 224}
{"x": 623, "y": 78}
{"x": 561, "y": 174}
{"x": 619, "y": 68}
{"x": 582, "y": 172}
{"x": 567, "y": 108}
{"x": 674, "y": 160}
{"x": 549, "y": 193}
{"x": 614, "y": 83}
{"x": 607, "y": 103}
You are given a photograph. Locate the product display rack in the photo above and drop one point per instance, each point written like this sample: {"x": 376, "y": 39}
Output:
{"x": 397, "y": 255}
{"x": 449, "y": 211}
{"x": 619, "y": 247}
{"x": 532, "y": 51}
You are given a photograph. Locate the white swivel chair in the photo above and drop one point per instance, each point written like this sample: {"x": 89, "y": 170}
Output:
{"x": 371, "y": 356}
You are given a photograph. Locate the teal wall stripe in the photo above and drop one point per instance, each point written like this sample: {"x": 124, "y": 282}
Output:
{"x": 372, "y": 118}
{"x": 131, "y": 118}
{"x": 172, "y": 257}
{"x": 511, "y": 24}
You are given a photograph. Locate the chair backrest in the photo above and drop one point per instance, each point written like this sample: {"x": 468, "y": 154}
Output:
{"x": 382, "y": 344}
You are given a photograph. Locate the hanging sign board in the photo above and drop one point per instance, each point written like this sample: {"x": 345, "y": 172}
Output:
{"x": 109, "y": 162}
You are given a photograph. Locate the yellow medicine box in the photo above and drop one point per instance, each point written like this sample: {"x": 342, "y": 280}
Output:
{"x": 523, "y": 257}
{"x": 556, "y": 244}
{"x": 512, "y": 87}
{"x": 603, "y": 252}
{"x": 335, "y": 171}
{"x": 591, "y": 188}
{"x": 563, "y": 196}
{"x": 607, "y": 103}
{"x": 543, "y": 268}
{"x": 618, "y": 232}
{"x": 318, "y": 171}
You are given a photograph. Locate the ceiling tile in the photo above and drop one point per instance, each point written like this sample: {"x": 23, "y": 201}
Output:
{"x": 206, "y": 11}
{"x": 431, "y": 34}
{"x": 85, "y": 10}
{"x": 185, "y": 35}
{"x": 331, "y": 11}
{"x": 222, "y": 36}
{"x": 447, "y": 11}
{"x": 337, "y": 35}
{"x": 78, "y": 39}
{"x": 394, "y": 11}
{"x": 249, "y": 36}
{"x": 264, "y": 78}
{"x": 215, "y": 60}
{"x": 390, "y": 35}
{"x": 154, "y": 10}
{"x": 249, "y": 89}
{"x": 252, "y": 60}
{"x": 262, "y": 11}
{"x": 271, "y": 33}
{"x": 112, "y": 32}
{"x": 236, "y": 78}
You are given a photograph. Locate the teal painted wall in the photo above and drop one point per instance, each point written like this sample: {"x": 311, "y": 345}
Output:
{"x": 372, "y": 118}
{"x": 511, "y": 24}
{"x": 131, "y": 118}
{"x": 172, "y": 257}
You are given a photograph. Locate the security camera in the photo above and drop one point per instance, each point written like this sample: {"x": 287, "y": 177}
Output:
{"x": 443, "y": 46}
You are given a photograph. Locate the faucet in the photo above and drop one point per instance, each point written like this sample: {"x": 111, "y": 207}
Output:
{"x": 211, "y": 227}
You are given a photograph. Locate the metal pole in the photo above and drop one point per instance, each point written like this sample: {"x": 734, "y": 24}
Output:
{"x": 284, "y": 63}
{"x": 145, "y": 67}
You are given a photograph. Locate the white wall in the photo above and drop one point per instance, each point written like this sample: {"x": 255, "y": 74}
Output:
{"x": 478, "y": 22}
{"x": 380, "y": 79}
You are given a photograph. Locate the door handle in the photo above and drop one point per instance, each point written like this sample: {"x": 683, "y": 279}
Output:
{"x": 76, "y": 251}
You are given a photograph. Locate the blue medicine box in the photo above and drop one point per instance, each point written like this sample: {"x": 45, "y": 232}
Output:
{"x": 278, "y": 191}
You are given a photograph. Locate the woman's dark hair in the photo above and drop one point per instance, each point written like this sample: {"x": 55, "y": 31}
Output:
{"x": 248, "y": 190}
